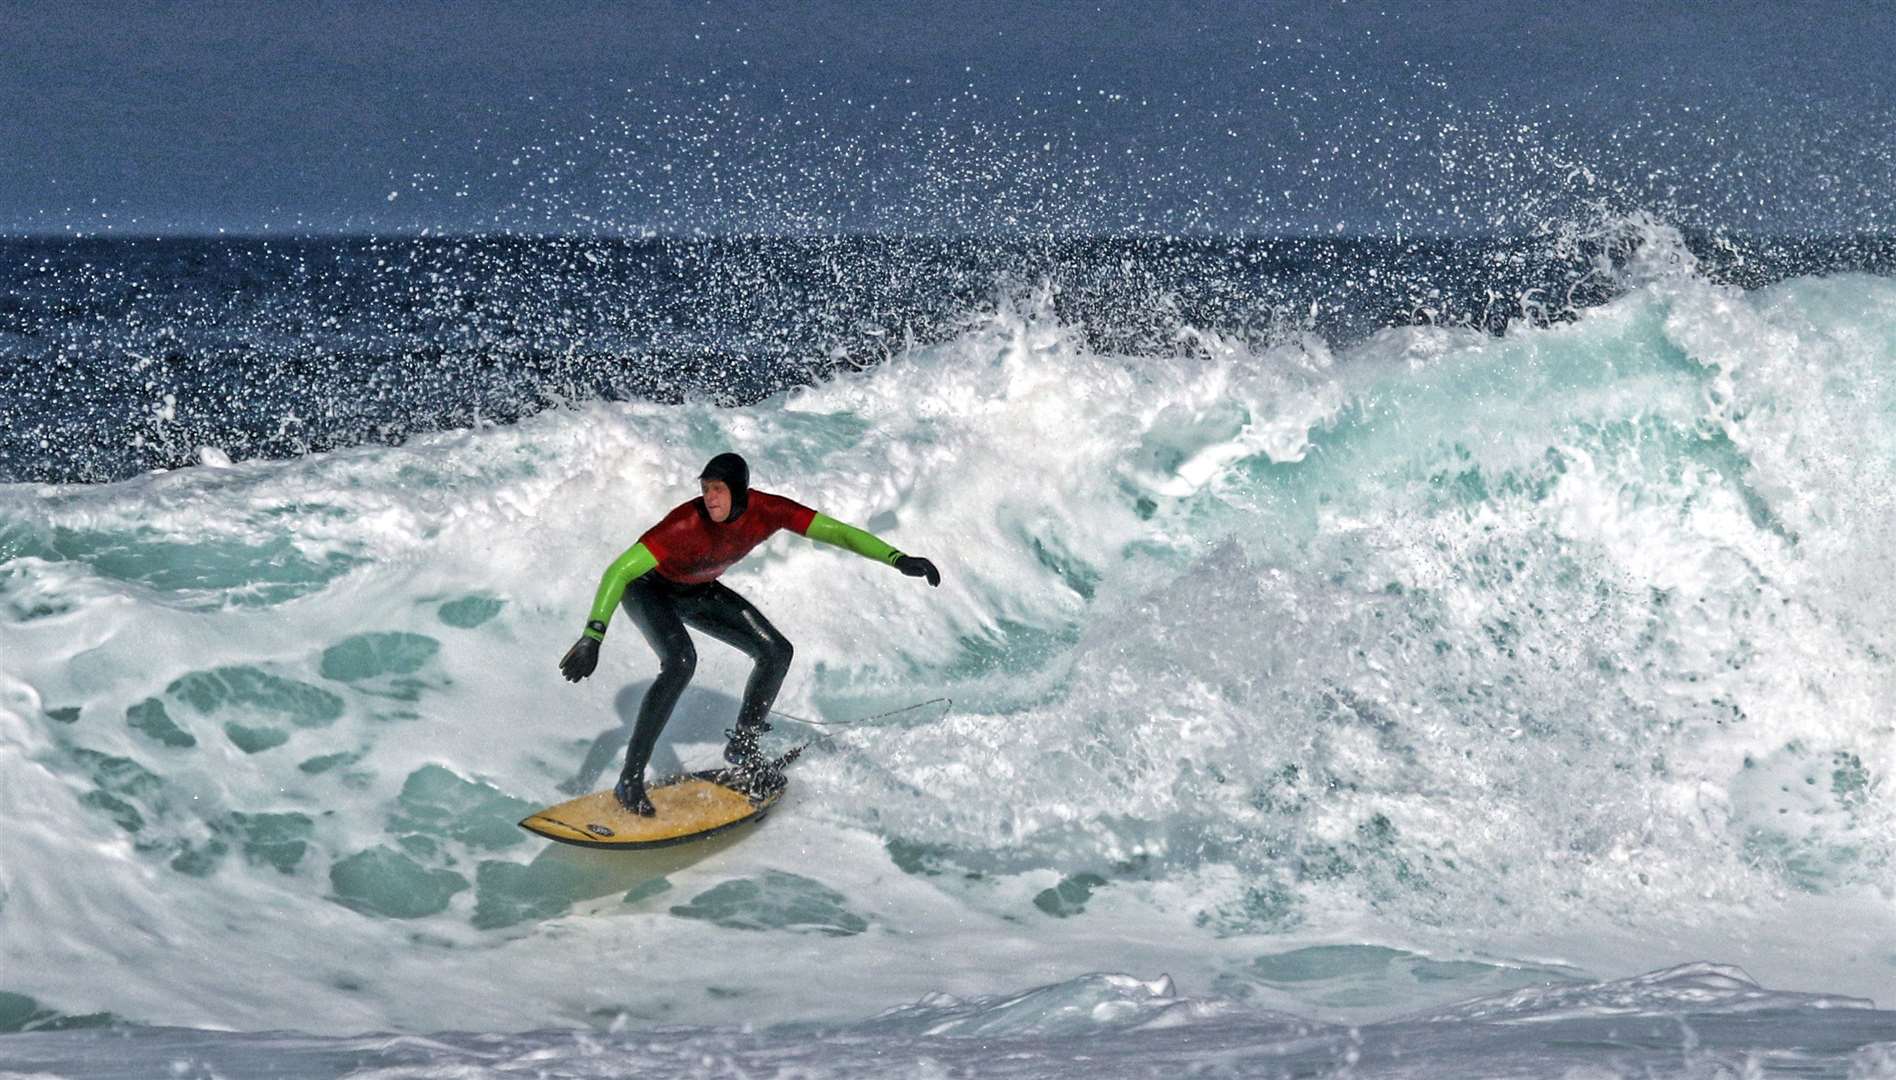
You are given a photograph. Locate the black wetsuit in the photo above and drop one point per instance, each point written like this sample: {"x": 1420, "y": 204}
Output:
{"x": 662, "y": 609}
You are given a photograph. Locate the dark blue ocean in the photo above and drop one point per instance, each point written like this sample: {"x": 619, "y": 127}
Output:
{"x": 121, "y": 356}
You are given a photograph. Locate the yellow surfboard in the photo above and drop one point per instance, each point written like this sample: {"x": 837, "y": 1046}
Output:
{"x": 689, "y": 808}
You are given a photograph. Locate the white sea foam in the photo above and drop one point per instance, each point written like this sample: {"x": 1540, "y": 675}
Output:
{"x": 1489, "y": 661}
{"x": 1693, "y": 1021}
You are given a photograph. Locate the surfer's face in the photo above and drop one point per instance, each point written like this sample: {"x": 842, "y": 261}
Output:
{"x": 717, "y": 499}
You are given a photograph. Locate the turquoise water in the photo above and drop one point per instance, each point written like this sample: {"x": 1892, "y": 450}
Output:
{"x": 1345, "y": 681}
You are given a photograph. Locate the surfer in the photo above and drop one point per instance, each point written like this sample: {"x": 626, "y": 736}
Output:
{"x": 669, "y": 580}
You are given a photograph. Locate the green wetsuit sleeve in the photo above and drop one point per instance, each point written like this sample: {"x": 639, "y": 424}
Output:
{"x": 636, "y": 561}
{"x": 828, "y": 530}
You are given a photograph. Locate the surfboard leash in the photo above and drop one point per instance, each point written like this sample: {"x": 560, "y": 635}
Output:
{"x": 949, "y": 704}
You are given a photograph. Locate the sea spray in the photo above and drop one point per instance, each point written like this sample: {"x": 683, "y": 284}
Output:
{"x": 1435, "y": 638}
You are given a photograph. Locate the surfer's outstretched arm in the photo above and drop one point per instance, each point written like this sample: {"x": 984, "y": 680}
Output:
{"x": 583, "y": 657}
{"x": 827, "y": 530}
{"x": 635, "y": 563}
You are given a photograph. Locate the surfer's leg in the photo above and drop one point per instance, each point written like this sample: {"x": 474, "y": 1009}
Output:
{"x": 655, "y": 613}
{"x": 730, "y": 618}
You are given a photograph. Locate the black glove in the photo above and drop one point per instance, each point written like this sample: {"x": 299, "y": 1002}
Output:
{"x": 916, "y": 566}
{"x": 581, "y": 659}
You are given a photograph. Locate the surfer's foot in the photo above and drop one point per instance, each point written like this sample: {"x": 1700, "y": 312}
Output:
{"x": 742, "y": 749}
{"x": 631, "y": 794}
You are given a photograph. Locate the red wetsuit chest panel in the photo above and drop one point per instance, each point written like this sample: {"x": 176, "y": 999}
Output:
{"x": 691, "y": 549}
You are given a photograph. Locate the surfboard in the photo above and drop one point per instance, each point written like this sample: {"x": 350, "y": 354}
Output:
{"x": 690, "y": 807}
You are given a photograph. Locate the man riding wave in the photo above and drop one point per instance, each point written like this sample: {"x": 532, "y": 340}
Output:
{"x": 669, "y": 580}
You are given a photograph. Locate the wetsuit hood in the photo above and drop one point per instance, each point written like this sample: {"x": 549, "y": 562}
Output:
{"x": 731, "y": 470}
